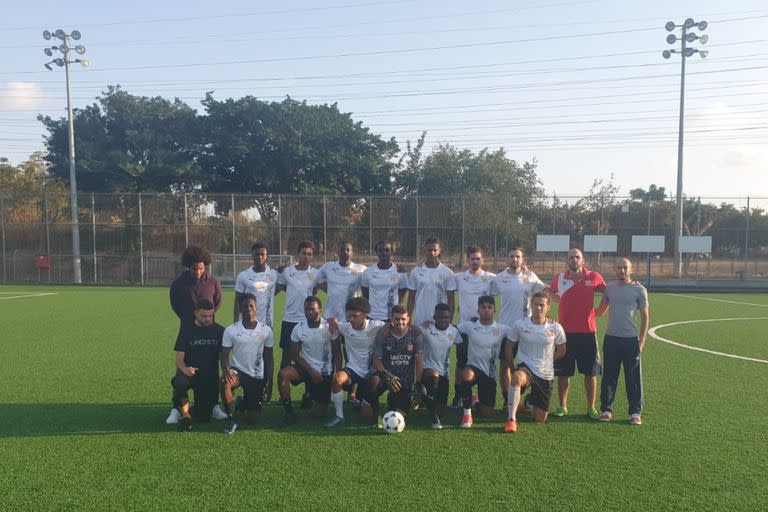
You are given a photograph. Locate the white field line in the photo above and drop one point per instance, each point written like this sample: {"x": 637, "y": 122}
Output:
{"x": 28, "y": 295}
{"x": 719, "y": 300}
{"x": 653, "y": 334}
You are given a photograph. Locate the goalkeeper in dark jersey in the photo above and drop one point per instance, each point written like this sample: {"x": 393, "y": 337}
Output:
{"x": 398, "y": 363}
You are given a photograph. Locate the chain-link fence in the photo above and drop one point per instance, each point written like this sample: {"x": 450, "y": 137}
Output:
{"x": 138, "y": 238}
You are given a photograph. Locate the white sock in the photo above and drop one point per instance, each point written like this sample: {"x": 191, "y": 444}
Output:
{"x": 338, "y": 403}
{"x": 467, "y": 412}
{"x": 513, "y": 400}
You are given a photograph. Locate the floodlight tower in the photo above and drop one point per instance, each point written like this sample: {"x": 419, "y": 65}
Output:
{"x": 685, "y": 52}
{"x": 65, "y": 48}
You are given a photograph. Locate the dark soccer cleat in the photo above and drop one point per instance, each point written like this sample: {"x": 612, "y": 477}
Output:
{"x": 230, "y": 427}
{"x": 336, "y": 421}
{"x": 306, "y": 401}
{"x": 185, "y": 424}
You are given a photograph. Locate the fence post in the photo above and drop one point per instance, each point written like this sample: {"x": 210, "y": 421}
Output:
{"x": 2, "y": 231}
{"x": 370, "y": 227}
{"x": 141, "y": 242}
{"x": 746, "y": 244}
{"x": 186, "y": 222}
{"x": 93, "y": 233}
{"x": 280, "y": 225}
{"x": 325, "y": 229}
{"x": 234, "y": 238}
{"x": 417, "y": 230}
{"x": 47, "y": 231}
{"x": 463, "y": 229}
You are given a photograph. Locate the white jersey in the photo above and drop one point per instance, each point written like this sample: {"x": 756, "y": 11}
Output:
{"x": 248, "y": 347}
{"x": 298, "y": 286}
{"x": 342, "y": 283}
{"x": 431, "y": 286}
{"x": 484, "y": 344}
{"x": 536, "y": 345}
{"x": 359, "y": 345}
{"x": 515, "y": 291}
{"x": 262, "y": 286}
{"x": 315, "y": 345}
{"x": 437, "y": 347}
{"x": 471, "y": 287}
{"x": 383, "y": 289}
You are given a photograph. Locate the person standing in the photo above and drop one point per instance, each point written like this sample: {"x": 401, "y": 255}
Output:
{"x": 383, "y": 284}
{"x": 340, "y": 280}
{"x": 575, "y": 289}
{"x": 194, "y": 284}
{"x": 429, "y": 284}
{"x": 624, "y": 298}
{"x": 260, "y": 281}
{"x": 472, "y": 283}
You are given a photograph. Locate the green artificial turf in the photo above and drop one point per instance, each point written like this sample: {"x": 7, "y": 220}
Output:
{"x": 86, "y": 391}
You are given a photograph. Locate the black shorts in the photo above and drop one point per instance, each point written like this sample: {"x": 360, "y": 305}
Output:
{"x": 286, "y": 328}
{"x": 541, "y": 389}
{"x": 440, "y": 394}
{"x": 354, "y": 377}
{"x": 320, "y": 392}
{"x": 253, "y": 390}
{"x": 580, "y": 350}
{"x": 486, "y": 387}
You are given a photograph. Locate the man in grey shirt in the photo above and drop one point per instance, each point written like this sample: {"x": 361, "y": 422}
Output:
{"x": 624, "y": 299}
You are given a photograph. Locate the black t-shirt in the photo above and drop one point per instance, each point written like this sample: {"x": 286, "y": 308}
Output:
{"x": 201, "y": 347}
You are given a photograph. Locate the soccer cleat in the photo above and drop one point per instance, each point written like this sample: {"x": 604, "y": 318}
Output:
{"x": 185, "y": 424}
{"x": 218, "y": 413}
{"x": 605, "y": 417}
{"x": 466, "y": 421}
{"x": 306, "y": 401}
{"x": 336, "y": 421}
{"x": 594, "y": 414}
{"x": 174, "y": 417}
{"x": 560, "y": 411}
{"x": 230, "y": 427}
{"x": 510, "y": 426}
{"x": 436, "y": 425}
{"x": 635, "y": 419}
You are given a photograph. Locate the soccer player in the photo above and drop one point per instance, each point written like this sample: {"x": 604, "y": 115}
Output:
{"x": 340, "y": 280}
{"x": 260, "y": 281}
{"x": 624, "y": 298}
{"x": 315, "y": 359}
{"x": 298, "y": 282}
{"x": 250, "y": 344}
{"x": 429, "y": 284}
{"x": 575, "y": 289}
{"x": 194, "y": 284}
{"x": 383, "y": 284}
{"x": 359, "y": 336}
{"x": 197, "y": 358}
{"x": 477, "y": 355}
{"x": 472, "y": 283}
{"x": 398, "y": 362}
{"x": 438, "y": 338}
{"x": 539, "y": 344}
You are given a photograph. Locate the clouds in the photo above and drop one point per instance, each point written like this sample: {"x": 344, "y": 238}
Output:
{"x": 21, "y": 96}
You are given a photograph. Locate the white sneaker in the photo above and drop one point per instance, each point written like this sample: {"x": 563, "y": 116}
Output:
{"x": 174, "y": 417}
{"x": 218, "y": 413}
{"x": 437, "y": 425}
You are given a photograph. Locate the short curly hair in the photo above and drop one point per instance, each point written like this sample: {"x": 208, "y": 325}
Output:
{"x": 195, "y": 254}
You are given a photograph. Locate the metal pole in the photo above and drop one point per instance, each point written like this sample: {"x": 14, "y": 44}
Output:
{"x": 746, "y": 243}
{"x": 78, "y": 278}
{"x": 648, "y": 232}
{"x": 370, "y": 228}
{"x": 679, "y": 199}
{"x": 186, "y": 222}
{"x": 417, "y": 229}
{"x": 2, "y": 231}
{"x": 141, "y": 242}
{"x": 47, "y": 232}
{"x": 463, "y": 228}
{"x": 234, "y": 239}
{"x": 280, "y": 226}
{"x": 325, "y": 230}
{"x": 93, "y": 234}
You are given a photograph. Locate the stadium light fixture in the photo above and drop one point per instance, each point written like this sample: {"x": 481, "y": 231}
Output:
{"x": 685, "y": 52}
{"x": 65, "y": 62}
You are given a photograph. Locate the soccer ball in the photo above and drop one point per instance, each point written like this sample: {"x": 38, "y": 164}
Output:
{"x": 393, "y": 422}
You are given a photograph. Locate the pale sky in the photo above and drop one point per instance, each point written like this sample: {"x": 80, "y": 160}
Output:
{"x": 581, "y": 86}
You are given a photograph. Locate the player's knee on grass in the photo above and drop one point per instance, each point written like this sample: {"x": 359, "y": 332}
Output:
{"x": 540, "y": 415}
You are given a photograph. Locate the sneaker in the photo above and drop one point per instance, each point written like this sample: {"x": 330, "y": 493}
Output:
{"x": 185, "y": 424}
{"x": 335, "y": 422}
{"x": 230, "y": 427}
{"x": 466, "y": 421}
{"x": 355, "y": 403}
{"x": 510, "y": 426}
{"x": 218, "y": 413}
{"x": 635, "y": 419}
{"x": 174, "y": 417}
{"x": 560, "y": 411}
{"x": 594, "y": 414}
{"x": 436, "y": 425}
{"x": 306, "y": 401}
{"x": 605, "y": 417}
